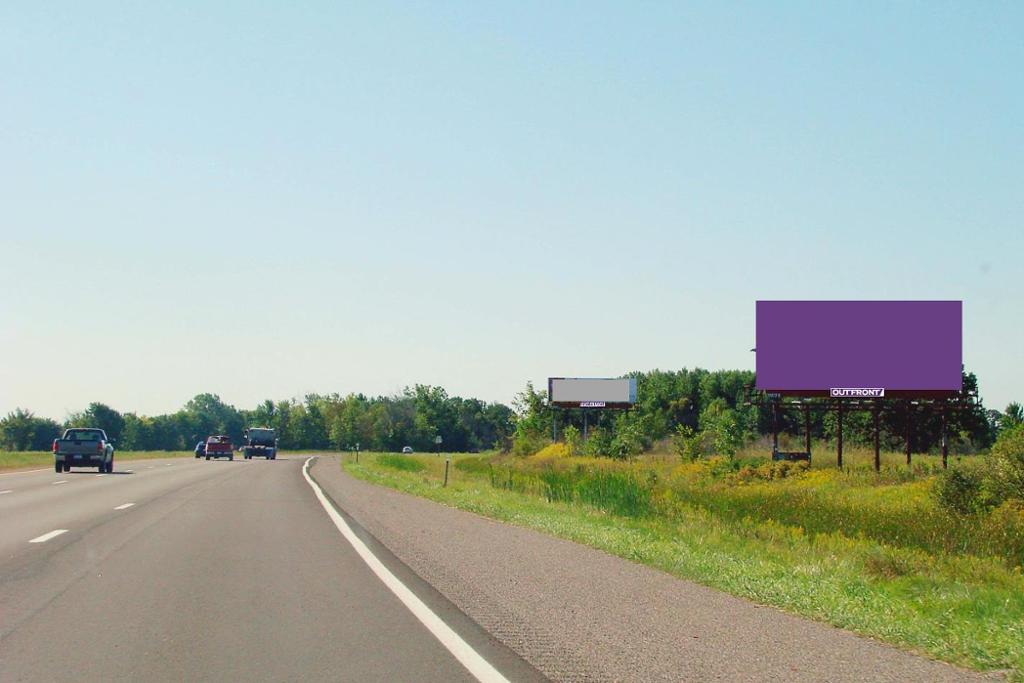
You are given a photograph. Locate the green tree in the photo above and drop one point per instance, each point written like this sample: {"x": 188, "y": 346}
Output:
{"x": 629, "y": 438}
{"x": 99, "y": 416}
{"x": 598, "y": 443}
{"x": 722, "y": 427}
{"x": 20, "y": 430}
{"x": 532, "y": 421}
{"x": 1012, "y": 416}
{"x": 687, "y": 443}
{"x": 1006, "y": 467}
{"x": 571, "y": 435}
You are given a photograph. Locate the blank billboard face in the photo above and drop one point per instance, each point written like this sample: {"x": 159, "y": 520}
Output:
{"x": 591, "y": 392}
{"x": 846, "y": 347}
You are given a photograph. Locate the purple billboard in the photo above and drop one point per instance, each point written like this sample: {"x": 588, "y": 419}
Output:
{"x": 859, "y": 349}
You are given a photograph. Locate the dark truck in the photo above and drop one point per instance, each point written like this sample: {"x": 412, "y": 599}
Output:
{"x": 83, "y": 448}
{"x": 260, "y": 441}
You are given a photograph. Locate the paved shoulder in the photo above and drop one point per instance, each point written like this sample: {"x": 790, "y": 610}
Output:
{"x": 577, "y": 613}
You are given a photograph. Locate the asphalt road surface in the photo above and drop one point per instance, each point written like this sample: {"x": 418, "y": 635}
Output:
{"x": 185, "y": 569}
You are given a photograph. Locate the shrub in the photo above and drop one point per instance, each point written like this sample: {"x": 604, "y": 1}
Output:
{"x": 628, "y": 441}
{"x": 572, "y": 439}
{"x": 598, "y": 443}
{"x": 550, "y": 452}
{"x": 686, "y": 443}
{"x": 961, "y": 490}
{"x": 528, "y": 443}
{"x": 721, "y": 426}
{"x": 718, "y": 467}
{"x": 1006, "y": 465}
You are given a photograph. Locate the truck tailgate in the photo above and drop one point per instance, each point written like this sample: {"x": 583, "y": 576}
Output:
{"x": 78, "y": 447}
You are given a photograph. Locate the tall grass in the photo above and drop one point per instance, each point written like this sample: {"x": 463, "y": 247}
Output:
{"x": 400, "y": 462}
{"x": 895, "y": 506}
{"x": 619, "y": 493}
{"x": 855, "y": 456}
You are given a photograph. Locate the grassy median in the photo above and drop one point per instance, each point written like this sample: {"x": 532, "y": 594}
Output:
{"x": 23, "y": 460}
{"x": 848, "y": 548}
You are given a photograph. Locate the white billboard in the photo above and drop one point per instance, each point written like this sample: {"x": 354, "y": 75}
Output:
{"x": 592, "y": 392}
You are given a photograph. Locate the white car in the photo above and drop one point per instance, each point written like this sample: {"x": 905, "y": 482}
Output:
{"x": 407, "y": 449}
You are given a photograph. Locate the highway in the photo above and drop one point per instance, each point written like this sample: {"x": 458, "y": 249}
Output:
{"x": 185, "y": 569}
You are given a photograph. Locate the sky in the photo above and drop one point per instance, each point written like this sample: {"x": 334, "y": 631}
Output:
{"x": 263, "y": 200}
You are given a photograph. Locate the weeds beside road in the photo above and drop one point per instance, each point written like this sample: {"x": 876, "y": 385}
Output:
{"x": 856, "y": 550}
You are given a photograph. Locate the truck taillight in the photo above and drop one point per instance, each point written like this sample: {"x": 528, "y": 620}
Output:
{"x": 55, "y": 445}
{"x": 99, "y": 446}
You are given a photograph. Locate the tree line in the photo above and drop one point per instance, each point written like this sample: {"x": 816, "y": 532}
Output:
{"x": 699, "y": 411}
{"x": 386, "y": 423}
{"x": 702, "y": 411}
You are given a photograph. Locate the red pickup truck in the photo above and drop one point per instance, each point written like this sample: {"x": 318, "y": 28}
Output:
{"x": 220, "y": 447}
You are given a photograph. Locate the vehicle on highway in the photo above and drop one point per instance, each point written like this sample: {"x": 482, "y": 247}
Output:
{"x": 219, "y": 446}
{"x": 83, "y": 447}
{"x": 260, "y": 442}
{"x": 200, "y": 449}
{"x": 407, "y": 449}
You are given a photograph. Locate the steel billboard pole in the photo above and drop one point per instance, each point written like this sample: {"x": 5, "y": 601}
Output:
{"x": 878, "y": 451}
{"x": 839, "y": 433}
{"x": 945, "y": 440}
{"x": 807, "y": 428}
{"x": 910, "y": 417}
{"x": 775, "y": 428}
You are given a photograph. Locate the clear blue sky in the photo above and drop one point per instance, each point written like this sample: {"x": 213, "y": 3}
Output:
{"x": 268, "y": 199}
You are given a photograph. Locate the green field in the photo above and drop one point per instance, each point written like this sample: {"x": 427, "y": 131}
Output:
{"x": 866, "y": 552}
{"x": 17, "y": 460}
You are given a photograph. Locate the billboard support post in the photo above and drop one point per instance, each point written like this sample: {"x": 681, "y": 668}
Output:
{"x": 807, "y": 429}
{"x": 878, "y": 449}
{"x": 839, "y": 433}
{"x": 910, "y": 417}
{"x": 945, "y": 440}
{"x": 775, "y": 428}
{"x": 584, "y": 424}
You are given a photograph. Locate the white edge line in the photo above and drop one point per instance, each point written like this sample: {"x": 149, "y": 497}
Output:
{"x": 7, "y": 474}
{"x": 7, "y": 491}
{"x": 125, "y": 506}
{"x": 460, "y": 649}
{"x": 46, "y": 537}
{"x": 62, "y": 481}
